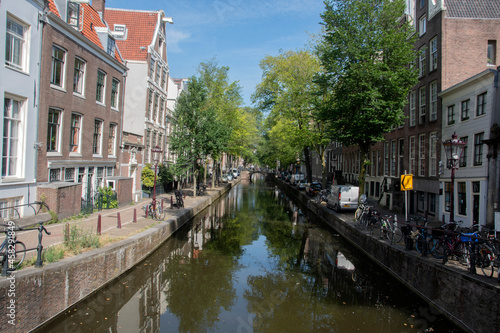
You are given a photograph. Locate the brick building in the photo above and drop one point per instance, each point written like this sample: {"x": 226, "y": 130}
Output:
{"x": 81, "y": 101}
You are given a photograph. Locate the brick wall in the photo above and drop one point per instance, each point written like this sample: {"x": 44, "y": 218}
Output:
{"x": 62, "y": 198}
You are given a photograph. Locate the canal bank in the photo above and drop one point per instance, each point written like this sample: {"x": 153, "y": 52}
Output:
{"x": 32, "y": 296}
{"x": 472, "y": 301}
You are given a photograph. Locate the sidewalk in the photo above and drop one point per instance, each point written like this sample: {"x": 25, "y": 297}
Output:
{"x": 109, "y": 222}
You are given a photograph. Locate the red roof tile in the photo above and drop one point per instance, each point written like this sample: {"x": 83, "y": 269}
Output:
{"x": 141, "y": 26}
{"x": 91, "y": 19}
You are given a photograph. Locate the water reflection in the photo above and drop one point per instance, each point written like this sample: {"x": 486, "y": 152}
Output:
{"x": 253, "y": 262}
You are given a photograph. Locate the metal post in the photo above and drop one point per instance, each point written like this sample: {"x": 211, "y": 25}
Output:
{"x": 452, "y": 195}
{"x": 135, "y": 216}
{"x": 99, "y": 224}
{"x": 39, "y": 248}
{"x": 119, "y": 220}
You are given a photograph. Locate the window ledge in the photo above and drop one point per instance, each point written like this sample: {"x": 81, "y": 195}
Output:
{"x": 56, "y": 87}
{"x": 115, "y": 109}
{"x": 19, "y": 70}
{"x": 73, "y": 154}
{"x": 77, "y": 94}
{"x": 53, "y": 154}
{"x": 100, "y": 103}
{"x": 97, "y": 156}
{"x": 12, "y": 180}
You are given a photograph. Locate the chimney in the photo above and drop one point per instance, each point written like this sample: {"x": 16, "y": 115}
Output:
{"x": 100, "y": 7}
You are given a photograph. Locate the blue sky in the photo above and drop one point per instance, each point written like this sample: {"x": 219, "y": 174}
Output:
{"x": 237, "y": 33}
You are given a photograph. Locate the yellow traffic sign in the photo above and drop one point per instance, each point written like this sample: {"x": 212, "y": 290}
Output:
{"x": 406, "y": 182}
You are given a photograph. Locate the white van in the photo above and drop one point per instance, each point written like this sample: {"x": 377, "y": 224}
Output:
{"x": 343, "y": 197}
{"x": 296, "y": 178}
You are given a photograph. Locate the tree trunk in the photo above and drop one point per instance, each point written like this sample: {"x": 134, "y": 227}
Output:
{"x": 307, "y": 162}
{"x": 364, "y": 149}
{"x": 323, "y": 170}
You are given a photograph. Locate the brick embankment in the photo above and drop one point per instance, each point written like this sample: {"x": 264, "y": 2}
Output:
{"x": 38, "y": 294}
{"x": 470, "y": 300}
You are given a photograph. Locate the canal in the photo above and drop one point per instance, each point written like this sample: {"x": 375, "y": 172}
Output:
{"x": 253, "y": 262}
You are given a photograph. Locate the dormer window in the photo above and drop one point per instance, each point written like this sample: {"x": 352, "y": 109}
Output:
{"x": 120, "y": 31}
{"x": 111, "y": 47}
{"x": 73, "y": 15}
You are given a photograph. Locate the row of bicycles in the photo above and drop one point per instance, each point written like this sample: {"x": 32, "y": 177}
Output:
{"x": 468, "y": 246}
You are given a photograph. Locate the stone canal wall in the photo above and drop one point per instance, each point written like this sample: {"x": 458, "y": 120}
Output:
{"x": 42, "y": 293}
{"x": 473, "y": 302}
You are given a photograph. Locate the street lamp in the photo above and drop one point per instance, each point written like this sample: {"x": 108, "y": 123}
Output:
{"x": 453, "y": 149}
{"x": 155, "y": 151}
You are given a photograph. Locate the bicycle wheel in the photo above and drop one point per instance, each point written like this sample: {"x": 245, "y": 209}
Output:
{"x": 396, "y": 236}
{"x": 419, "y": 244}
{"x": 159, "y": 214}
{"x": 462, "y": 252}
{"x": 484, "y": 260}
{"x": 357, "y": 214}
{"x": 16, "y": 259}
{"x": 439, "y": 249}
{"x": 384, "y": 230}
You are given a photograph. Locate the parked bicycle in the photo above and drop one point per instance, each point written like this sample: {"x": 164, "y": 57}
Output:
{"x": 488, "y": 257}
{"x": 157, "y": 213}
{"x": 201, "y": 189}
{"x": 421, "y": 235}
{"x": 11, "y": 249}
{"x": 389, "y": 229}
{"x": 449, "y": 244}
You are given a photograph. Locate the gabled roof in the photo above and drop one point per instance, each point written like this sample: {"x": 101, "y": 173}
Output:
{"x": 91, "y": 19}
{"x": 473, "y": 8}
{"x": 141, "y": 26}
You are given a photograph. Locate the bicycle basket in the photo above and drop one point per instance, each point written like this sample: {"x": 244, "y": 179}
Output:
{"x": 468, "y": 237}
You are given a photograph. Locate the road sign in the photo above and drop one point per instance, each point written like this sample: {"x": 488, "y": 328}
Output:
{"x": 406, "y": 182}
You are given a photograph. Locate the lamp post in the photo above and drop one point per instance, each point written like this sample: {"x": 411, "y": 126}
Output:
{"x": 453, "y": 148}
{"x": 155, "y": 151}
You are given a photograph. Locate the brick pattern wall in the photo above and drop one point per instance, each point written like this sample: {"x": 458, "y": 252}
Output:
{"x": 65, "y": 200}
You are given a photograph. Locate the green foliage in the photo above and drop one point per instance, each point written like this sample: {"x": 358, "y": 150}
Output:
{"x": 108, "y": 197}
{"x": 79, "y": 239}
{"x": 53, "y": 254}
{"x": 147, "y": 176}
{"x": 165, "y": 175}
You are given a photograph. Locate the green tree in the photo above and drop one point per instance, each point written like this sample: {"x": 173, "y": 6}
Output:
{"x": 365, "y": 52}
{"x": 147, "y": 176}
{"x": 287, "y": 91}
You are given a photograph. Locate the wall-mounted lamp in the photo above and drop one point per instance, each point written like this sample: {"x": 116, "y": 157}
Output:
{"x": 168, "y": 20}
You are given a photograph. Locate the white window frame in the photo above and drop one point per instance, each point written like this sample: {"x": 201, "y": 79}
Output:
{"x": 421, "y": 155}
{"x": 433, "y": 54}
{"x": 103, "y": 89}
{"x": 411, "y": 155}
{"x": 422, "y": 52}
{"x": 13, "y": 143}
{"x": 422, "y": 25}
{"x": 19, "y": 49}
{"x": 422, "y": 111}
{"x": 55, "y": 68}
{"x": 112, "y": 139}
{"x": 432, "y": 154}
{"x": 115, "y": 93}
{"x": 79, "y": 76}
{"x": 97, "y": 141}
{"x": 433, "y": 91}
{"x": 54, "y": 131}
{"x": 413, "y": 105}
{"x": 78, "y": 144}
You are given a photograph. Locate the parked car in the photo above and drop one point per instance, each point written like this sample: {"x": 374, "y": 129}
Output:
{"x": 343, "y": 197}
{"x": 296, "y": 178}
{"x": 235, "y": 173}
{"x": 224, "y": 178}
{"x": 301, "y": 184}
{"x": 313, "y": 189}
{"x": 229, "y": 177}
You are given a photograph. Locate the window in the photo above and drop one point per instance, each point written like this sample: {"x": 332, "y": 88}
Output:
{"x": 451, "y": 114}
{"x": 111, "y": 47}
{"x": 164, "y": 78}
{"x": 97, "y": 139}
{"x": 478, "y": 148}
{"x": 7, "y": 205}
{"x": 81, "y": 174}
{"x": 115, "y": 85}
{"x": 152, "y": 68}
{"x": 393, "y": 157}
{"x": 431, "y": 197}
{"x": 386, "y": 158}
{"x": 112, "y": 140}
{"x": 54, "y": 123}
{"x": 69, "y": 175}
{"x": 401, "y": 156}
{"x": 412, "y": 108}
{"x": 15, "y": 44}
{"x": 462, "y": 198}
{"x": 491, "y": 52}
{"x": 432, "y": 154}
{"x": 101, "y": 85}
{"x": 158, "y": 73}
{"x": 481, "y": 104}
{"x": 79, "y": 76}
{"x": 433, "y": 64}
{"x": 150, "y": 104}
{"x": 12, "y": 137}
{"x": 73, "y": 18}
{"x": 421, "y": 104}
{"x": 422, "y": 25}
{"x": 420, "y": 201}
{"x": 148, "y": 146}
{"x": 155, "y": 109}
{"x": 411, "y": 165}
{"x": 421, "y": 61}
{"x": 422, "y": 3}
{"x": 434, "y": 94}
{"x": 464, "y": 115}
{"x": 58, "y": 58}
{"x": 421, "y": 155}
{"x": 463, "y": 158}
{"x": 447, "y": 197}
{"x": 162, "y": 108}
{"x": 75, "y": 130}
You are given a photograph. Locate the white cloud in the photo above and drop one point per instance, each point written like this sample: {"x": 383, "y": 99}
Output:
{"x": 174, "y": 38}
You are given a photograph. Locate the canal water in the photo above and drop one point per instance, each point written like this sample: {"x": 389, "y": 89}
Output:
{"x": 253, "y": 262}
